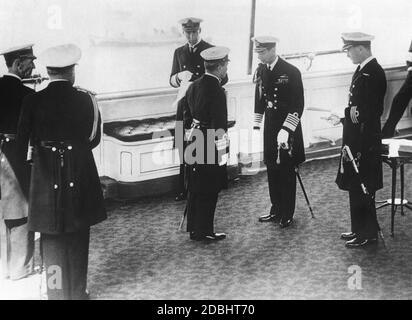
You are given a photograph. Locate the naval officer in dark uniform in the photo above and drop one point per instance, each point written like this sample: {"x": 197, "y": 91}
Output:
{"x": 188, "y": 65}
{"x": 17, "y": 243}
{"x": 400, "y": 101}
{"x": 362, "y": 134}
{"x": 205, "y": 112}
{"x": 279, "y": 96}
{"x": 63, "y": 124}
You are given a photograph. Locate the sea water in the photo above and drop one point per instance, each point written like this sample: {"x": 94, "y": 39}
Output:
{"x": 301, "y": 26}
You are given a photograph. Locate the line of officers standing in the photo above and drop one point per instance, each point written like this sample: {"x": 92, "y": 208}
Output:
{"x": 279, "y": 100}
{"x": 54, "y": 189}
{"x": 48, "y": 178}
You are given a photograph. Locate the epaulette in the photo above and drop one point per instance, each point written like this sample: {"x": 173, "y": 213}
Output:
{"x": 92, "y": 96}
{"x": 85, "y": 90}
{"x": 366, "y": 74}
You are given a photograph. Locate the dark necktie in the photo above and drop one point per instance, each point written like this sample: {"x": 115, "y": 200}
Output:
{"x": 192, "y": 49}
{"x": 357, "y": 71}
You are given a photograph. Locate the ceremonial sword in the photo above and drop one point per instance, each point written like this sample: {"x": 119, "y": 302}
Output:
{"x": 346, "y": 150}
{"x": 298, "y": 176}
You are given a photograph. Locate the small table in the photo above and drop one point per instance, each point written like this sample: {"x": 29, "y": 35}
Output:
{"x": 395, "y": 161}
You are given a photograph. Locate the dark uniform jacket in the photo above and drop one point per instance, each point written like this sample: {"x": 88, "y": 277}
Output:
{"x": 14, "y": 172}
{"x": 184, "y": 60}
{"x": 399, "y": 104}
{"x": 65, "y": 192}
{"x": 279, "y": 95}
{"x": 362, "y": 128}
{"x": 205, "y": 101}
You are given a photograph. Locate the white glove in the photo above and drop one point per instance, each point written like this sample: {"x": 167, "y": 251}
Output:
{"x": 184, "y": 76}
{"x": 283, "y": 137}
{"x": 334, "y": 118}
{"x": 223, "y": 159}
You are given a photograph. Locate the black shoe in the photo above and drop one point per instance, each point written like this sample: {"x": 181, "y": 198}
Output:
{"x": 180, "y": 197}
{"x": 215, "y": 236}
{"x": 194, "y": 236}
{"x": 86, "y": 295}
{"x": 359, "y": 242}
{"x": 286, "y": 223}
{"x": 348, "y": 236}
{"x": 266, "y": 218}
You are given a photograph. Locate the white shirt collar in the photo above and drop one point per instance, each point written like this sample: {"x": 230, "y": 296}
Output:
{"x": 12, "y": 75}
{"x": 365, "y": 62}
{"x": 212, "y": 75}
{"x": 272, "y": 65}
{"x": 409, "y": 69}
{"x": 190, "y": 46}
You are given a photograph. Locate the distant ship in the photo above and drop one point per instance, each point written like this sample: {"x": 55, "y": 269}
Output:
{"x": 157, "y": 38}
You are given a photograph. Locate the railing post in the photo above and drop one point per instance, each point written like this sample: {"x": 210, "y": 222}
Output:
{"x": 251, "y": 35}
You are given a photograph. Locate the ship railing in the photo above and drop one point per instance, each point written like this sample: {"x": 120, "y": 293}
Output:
{"x": 310, "y": 55}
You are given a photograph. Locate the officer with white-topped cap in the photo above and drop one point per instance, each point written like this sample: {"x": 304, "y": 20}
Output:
{"x": 362, "y": 134}
{"x": 279, "y": 96}
{"x": 205, "y": 113}
{"x": 400, "y": 100}
{"x": 63, "y": 124}
{"x": 187, "y": 67}
{"x": 17, "y": 243}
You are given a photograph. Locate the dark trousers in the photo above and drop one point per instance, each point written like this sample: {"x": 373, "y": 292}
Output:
{"x": 282, "y": 189}
{"x": 183, "y": 175}
{"x": 363, "y": 213}
{"x": 181, "y": 187}
{"x": 201, "y": 212}
{"x": 65, "y": 258}
{"x": 17, "y": 248}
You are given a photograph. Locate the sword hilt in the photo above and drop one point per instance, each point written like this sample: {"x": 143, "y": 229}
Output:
{"x": 278, "y": 158}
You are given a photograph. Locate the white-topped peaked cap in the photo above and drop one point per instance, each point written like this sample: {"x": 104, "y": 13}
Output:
{"x": 355, "y": 39}
{"x": 61, "y": 56}
{"x": 215, "y": 54}
{"x": 190, "y": 24}
{"x": 264, "y": 42}
{"x": 20, "y": 51}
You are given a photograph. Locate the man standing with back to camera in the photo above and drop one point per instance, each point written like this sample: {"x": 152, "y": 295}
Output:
{"x": 205, "y": 111}
{"x": 63, "y": 124}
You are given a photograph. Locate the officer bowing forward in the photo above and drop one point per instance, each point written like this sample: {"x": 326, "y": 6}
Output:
{"x": 205, "y": 113}
{"x": 279, "y": 96}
